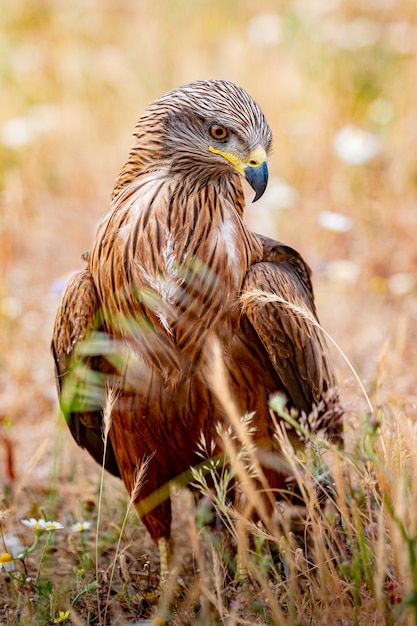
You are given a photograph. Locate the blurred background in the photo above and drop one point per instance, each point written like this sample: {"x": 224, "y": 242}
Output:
{"x": 336, "y": 80}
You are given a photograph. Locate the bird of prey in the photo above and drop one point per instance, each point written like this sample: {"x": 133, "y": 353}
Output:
{"x": 165, "y": 275}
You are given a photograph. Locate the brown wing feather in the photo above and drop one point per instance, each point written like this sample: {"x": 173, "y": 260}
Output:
{"x": 80, "y": 387}
{"x": 287, "y": 324}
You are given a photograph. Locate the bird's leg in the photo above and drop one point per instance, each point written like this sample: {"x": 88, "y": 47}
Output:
{"x": 164, "y": 557}
{"x": 156, "y": 516}
{"x": 243, "y": 511}
{"x": 153, "y": 596}
{"x": 242, "y": 553}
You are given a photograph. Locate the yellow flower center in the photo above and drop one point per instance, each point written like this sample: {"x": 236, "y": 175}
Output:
{"x": 5, "y": 558}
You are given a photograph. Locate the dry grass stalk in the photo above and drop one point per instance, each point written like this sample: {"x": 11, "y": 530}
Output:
{"x": 140, "y": 474}
{"x": 219, "y": 383}
{"x": 247, "y": 298}
{"x": 110, "y": 399}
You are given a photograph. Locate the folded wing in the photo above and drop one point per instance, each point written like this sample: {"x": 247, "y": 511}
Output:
{"x": 278, "y": 300}
{"x": 81, "y": 369}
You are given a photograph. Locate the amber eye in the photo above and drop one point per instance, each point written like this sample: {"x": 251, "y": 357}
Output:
{"x": 217, "y": 131}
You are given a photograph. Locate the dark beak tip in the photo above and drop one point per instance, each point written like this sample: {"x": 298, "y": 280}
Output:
{"x": 258, "y": 195}
{"x": 257, "y": 178}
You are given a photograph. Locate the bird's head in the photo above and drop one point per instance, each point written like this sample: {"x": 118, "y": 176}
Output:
{"x": 208, "y": 129}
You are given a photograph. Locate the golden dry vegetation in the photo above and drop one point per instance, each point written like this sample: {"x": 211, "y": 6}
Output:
{"x": 337, "y": 81}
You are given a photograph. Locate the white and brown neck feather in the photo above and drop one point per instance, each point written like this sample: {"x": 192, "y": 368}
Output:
{"x": 169, "y": 265}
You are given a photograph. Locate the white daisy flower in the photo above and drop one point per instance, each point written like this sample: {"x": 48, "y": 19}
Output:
{"x": 338, "y": 222}
{"x": 53, "y": 526}
{"x": 401, "y": 283}
{"x": 355, "y": 146}
{"x": 264, "y": 29}
{"x": 80, "y": 527}
{"x": 343, "y": 271}
{"x": 34, "y": 524}
{"x": 21, "y": 130}
{"x": 6, "y": 562}
{"x": 12, "y": 543}
{"x": 40, "y": 525}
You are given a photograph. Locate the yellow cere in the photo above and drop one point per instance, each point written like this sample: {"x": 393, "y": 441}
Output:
{"x": 256, "y": 158}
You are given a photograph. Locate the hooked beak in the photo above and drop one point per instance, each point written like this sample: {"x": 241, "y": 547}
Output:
{"x": 257, "y": 177}
{"x": 254, "y": 169}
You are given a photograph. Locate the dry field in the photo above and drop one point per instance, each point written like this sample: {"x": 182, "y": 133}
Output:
{"x": 337, "y": 81}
